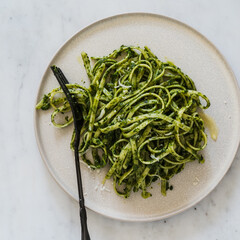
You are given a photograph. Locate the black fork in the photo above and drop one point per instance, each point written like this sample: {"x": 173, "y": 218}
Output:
{"x": 78, "y": 122}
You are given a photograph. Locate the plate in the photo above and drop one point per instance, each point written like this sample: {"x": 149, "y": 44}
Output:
{"x": 197, "y": 57}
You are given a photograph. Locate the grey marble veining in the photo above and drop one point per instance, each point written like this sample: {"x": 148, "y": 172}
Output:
{"x": 32, "y": 205}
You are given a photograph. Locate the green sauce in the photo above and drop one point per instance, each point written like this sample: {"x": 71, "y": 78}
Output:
{"x": 140, "y": 118}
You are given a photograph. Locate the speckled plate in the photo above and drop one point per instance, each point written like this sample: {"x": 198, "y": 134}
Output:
{"x": 197, "y": 57}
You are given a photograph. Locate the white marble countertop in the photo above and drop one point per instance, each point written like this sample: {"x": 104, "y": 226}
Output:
{"x": 32, "y": 205}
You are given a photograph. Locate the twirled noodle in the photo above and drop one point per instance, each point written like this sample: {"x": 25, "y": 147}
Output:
{"x": 140, "y": 118}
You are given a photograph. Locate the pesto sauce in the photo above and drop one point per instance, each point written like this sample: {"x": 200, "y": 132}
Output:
{"x": 140, "y": 118}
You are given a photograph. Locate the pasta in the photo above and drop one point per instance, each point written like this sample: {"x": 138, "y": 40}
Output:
{"x": 140, "y": 118}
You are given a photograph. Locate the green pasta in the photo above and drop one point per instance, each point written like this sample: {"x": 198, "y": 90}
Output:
{"x": 140, "y": 118}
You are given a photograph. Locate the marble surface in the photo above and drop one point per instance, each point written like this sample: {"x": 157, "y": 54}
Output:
{"x": 32, "y": 205}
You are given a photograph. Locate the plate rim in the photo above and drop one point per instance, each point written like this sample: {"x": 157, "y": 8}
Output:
{"x": 132, "y": 14}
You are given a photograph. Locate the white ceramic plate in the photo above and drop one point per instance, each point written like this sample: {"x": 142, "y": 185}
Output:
{"x": 198, "y": 58}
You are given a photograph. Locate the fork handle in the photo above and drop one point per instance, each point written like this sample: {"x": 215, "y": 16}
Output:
{"x": 84, "y": 228}
{"x": 82, "y": 211}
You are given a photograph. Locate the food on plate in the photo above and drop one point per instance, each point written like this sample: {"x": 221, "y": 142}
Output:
{"x": 140, "y": 116}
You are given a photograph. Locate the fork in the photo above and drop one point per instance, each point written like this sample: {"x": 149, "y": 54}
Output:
{"x": 78, "y": 122}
